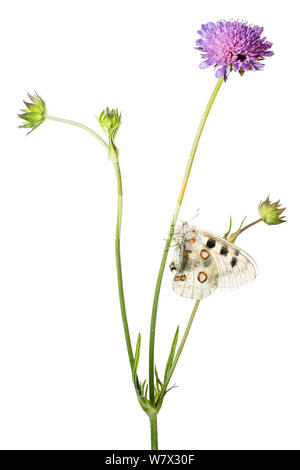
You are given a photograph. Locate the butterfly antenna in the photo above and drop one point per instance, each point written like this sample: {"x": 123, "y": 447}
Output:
{"x": 196, "y": 214}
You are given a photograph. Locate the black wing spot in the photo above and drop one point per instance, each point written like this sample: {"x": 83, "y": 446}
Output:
{"x": 237, "y": 252}
{"x": 210, "y": 243}
{"x": 224, "y": 251}
{"x": 233, "y": 262}
{"x": 172, "y": 266}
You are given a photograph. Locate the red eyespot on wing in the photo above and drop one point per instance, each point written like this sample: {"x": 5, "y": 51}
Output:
{"x": 202, "y": 277}
{"x": 191, "y": 238}
{"x": 204, "y": 254}
{"x": 183, "y": 277}
{"x": 176, "y": 278}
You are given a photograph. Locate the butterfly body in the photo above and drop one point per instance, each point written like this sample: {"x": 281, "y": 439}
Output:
{"x": 182, "y": 237}
{"x": 203, "y": 262}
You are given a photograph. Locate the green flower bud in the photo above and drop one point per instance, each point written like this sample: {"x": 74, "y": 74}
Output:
{"x": 110, "y": 121}
{"x": 35, "y": 113}
{"x": 270, "y": 212}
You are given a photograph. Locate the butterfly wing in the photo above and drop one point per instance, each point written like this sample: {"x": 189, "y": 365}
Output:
{"x": 235, "y": 267}
{"x": 196, "y": 278}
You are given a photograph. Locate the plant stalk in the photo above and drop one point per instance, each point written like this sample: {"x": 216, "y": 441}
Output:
{"x": 82, "y": 126}
{"x": 118, "y": 231}
{"x": 153, "y": 431}
{"x": 171, "y": 231}
{"x": 180, "y": 347}
{"x": 249, "y": 225}
{"x": 119, "y": 265}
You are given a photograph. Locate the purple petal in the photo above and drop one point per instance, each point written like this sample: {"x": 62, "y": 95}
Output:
{"x": 220, "y": 72}
{"x": 204, "y": 65}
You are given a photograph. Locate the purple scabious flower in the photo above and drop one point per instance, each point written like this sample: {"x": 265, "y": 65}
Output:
{"x": 232, "y": 45}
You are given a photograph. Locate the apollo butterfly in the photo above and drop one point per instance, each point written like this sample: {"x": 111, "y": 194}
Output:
{"x": 203, "y": 262}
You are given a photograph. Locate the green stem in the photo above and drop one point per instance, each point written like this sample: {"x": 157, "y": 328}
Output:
{"x": 118, "y": 230}
{"x": 180, "y": 348}
{"x": 168, "y": 242}
{"x": 77, "y": 124}
{"x": 153, "y": 431}
{"x": 119, "y": 266}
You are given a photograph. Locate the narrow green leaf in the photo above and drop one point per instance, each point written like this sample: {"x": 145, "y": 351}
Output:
{"x": 229, "y": 230}
{"x": 143, "y": 387}
{"x": 170, "y": 388}
{"x": 172, "y": 353}
{"x": 159, "y": 383}
{"x": 136, "y": 356}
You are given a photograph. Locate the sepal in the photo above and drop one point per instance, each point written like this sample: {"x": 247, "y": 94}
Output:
{"x": 270, "y": 212}
{"x": 35, "y": 114}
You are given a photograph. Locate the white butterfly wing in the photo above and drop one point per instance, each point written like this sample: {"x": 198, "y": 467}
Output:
{"x": 198, "y": 279}
{"x": 235, "y": 267}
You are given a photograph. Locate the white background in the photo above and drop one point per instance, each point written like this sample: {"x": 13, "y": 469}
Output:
{"x": 65, "y": 381}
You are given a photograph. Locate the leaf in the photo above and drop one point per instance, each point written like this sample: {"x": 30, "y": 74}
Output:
{"x": 170, "y": 388}
{"x": 229, "y": 230}
{"x": 143, "y": 387}
{"x": 136, "y": 357}
{"x": 172, "y": 353}
{"x": 159, "y": 383}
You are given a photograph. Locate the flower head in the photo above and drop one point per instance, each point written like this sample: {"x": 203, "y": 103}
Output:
{"x": 35, "y": 113}
{"x": 232, "y": 45}
{"x": 270, "y": 212}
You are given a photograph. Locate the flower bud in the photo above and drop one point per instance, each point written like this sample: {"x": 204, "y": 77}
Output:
{"x": 270, "y": 212}
{"x": 110, "y": 121}
{"x": 35, "y": 113}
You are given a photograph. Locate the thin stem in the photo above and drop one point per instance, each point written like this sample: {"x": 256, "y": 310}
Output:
{"x": 180, "y": 348}
{"x": 119, "y": 266}
{"x": 118, "y": 230}
{"x": 153, "y": 431}
{"x": 249, "y": 225}
{"x": 82, "y": 126}
{"x": 168, "y": 242}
